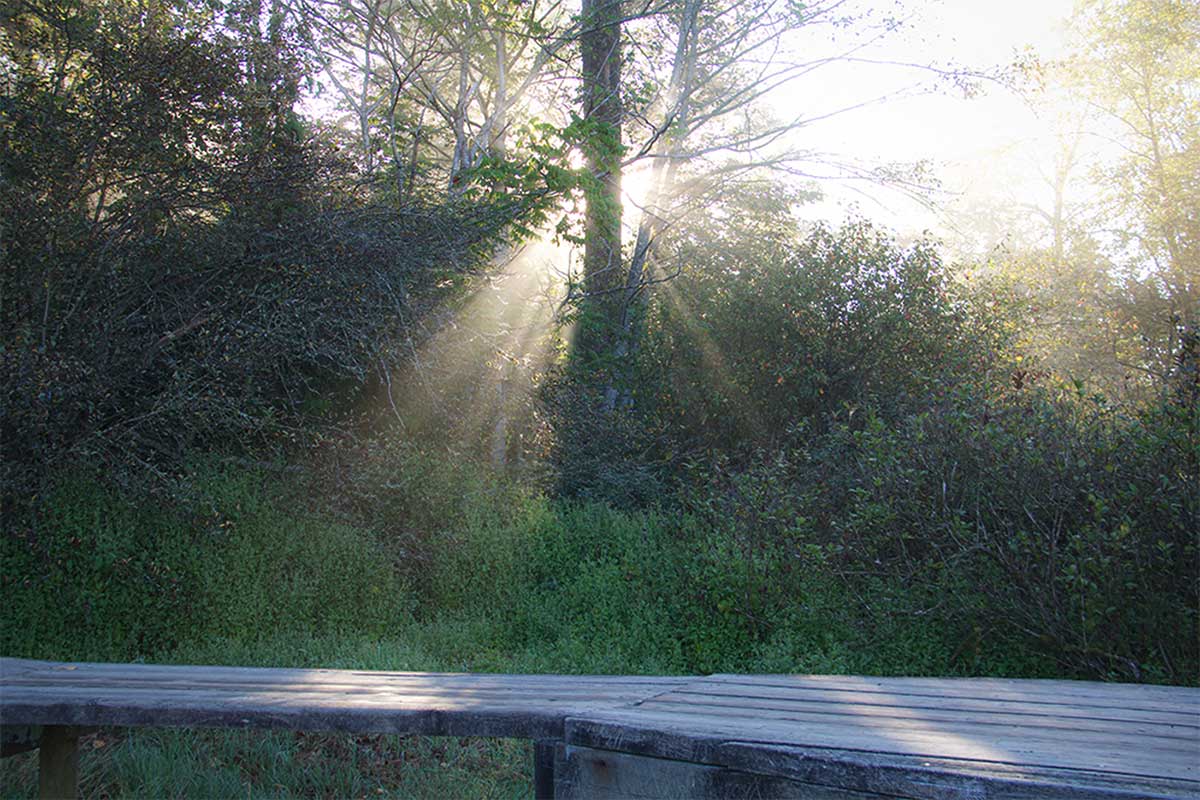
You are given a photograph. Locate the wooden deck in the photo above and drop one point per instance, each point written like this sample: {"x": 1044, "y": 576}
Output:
{"x": 764, "y": 735}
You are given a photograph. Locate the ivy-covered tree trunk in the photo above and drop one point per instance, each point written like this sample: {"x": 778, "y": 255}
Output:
{"x": 603, "y": 278}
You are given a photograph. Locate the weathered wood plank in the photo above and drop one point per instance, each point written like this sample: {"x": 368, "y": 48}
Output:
{"x": 924, "y": 777}
{"x": 549, "y": 702}
{"x": 588, "y": 774}
{"x": 956, "y": 738}
{"x": 427, "y": 689}
{"x": 1132, "y": 756}
{"x": 351, "y": 694}
{"x": 1076, "y": 693}
{"x": 504, "y": 721}
{"x": 58, "y": 763}
{"x": 776, "y": 697}
{"x": 334, "y": 700}
{"x": 893, "y": 775}
{"x": 14, "y": 670}
{"x": 881, "y": 716}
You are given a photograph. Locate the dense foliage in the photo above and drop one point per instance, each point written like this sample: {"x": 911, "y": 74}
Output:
{"x": 835, "y": 393}
{"x": 826, "y": 323}
{"x": 184, "y": 266}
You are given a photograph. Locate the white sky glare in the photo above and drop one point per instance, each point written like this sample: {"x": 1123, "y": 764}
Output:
{"x": 955, "y": 134}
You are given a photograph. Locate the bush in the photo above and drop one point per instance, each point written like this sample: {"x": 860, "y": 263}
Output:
{"x": 744, "y": 354}
{"x": 622, "y": 457}
{"x": 587, "y": 587}
{"x": 436, "y": 512}
{"x": 1037, "y": 520}
{"x": 185, "y": 266}
{"x": 264, "y": 570}
{"x": 98, "y": 578}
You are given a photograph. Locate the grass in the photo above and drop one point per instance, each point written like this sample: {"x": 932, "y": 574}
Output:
{"x": 162, "y": 763}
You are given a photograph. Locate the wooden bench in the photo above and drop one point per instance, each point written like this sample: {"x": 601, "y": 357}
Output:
{"x": 813, "y": 737}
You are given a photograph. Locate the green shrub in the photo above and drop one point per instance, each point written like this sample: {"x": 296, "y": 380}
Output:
{"x": 104, "y": 578}
{"x": 98, "y": 577}
{"x": 265, "y": 570}
{"x": 423, "y": 504}
{"x": 604, "y": 579}
{"x": 751, "y": 349}
{"x": 1018, "y": 527}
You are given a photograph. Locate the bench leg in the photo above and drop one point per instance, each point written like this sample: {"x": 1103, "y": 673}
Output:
{"x": 58, "y": 763}
{"x": 543, "y": 769}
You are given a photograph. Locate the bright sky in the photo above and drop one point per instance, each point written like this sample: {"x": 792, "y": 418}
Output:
{"x": 961, "y": 137}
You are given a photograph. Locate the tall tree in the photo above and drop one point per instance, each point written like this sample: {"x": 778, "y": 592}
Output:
{"x": 600, "y": 51}
{"x": 441, "y": 79}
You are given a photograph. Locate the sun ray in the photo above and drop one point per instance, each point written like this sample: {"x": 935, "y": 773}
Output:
{"x": 711, "y": 354}
{"x": 479, "y": 367}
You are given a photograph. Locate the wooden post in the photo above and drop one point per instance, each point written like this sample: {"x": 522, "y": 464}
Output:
{"x": 543, "y": 769}
{"x": 58, "y": 763}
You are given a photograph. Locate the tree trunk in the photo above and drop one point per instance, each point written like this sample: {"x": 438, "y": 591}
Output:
{"x": 603, "y": 277}
{"x": 499, "y": 122}
{"x": 364, "y": 108}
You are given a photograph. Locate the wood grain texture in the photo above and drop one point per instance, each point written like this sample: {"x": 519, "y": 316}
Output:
{"x": 587, "y": 774}
{"x": 978, "y": 724}
{"x": 20, "y": 670}
{"x": 1133, "y": 755}
{"x": 1083, "y": 694}
{"x": 923, "y": 738}
{"x": 1047, "y": 688}
{"x": 1148, "y": 731}
{"x": 767, "y": 697}
{"x": 435, "y": 704}
{"x": 906, "y": 737}
{"x": 875, "y": 772}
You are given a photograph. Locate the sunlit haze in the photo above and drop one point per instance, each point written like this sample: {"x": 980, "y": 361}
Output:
{"x": 961, "y": 137}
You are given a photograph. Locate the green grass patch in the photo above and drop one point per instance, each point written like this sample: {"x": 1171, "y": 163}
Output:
{"x": 101, "y": 577}
{"x": 161, "y": 763}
